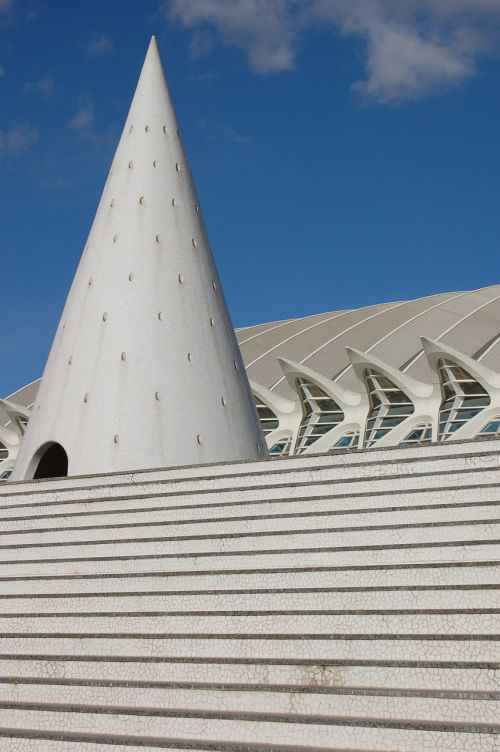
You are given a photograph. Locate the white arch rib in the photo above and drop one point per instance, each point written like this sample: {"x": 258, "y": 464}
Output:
{"x": 453, "y": 326}
{"x": 402, "y": 326}
{"x": 297, "y": 334}
{"x": 344, "y": 331}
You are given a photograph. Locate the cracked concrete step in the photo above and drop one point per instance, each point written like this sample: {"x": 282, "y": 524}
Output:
{"x": 120, "y": 525}
{"x": 45, "y": 741}
{"x": 327, "y": 497}
{"x": 361, "y": 647}
{"x": 239, "y": 727}
{"x": 273, "y": 475}
{"x": 419, "y": 578}
{"x": 466, "y": 550}
{"x": 313, "y": 623}
{"x": 201, "y": 543}
{"x": 458, "y": 598}
{"x": 416, "y": 675}
{"x": 96, "y": 499}
{"x": 374, "y": 702}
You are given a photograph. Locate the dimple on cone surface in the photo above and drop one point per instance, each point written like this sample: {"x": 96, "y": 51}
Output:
{"x": 145, "y": 370}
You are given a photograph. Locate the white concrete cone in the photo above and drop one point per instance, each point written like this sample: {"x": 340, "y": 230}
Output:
{"x": 145, "y": 370}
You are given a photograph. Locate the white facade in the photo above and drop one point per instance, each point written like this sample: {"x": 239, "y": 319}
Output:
{"x": 345, "y": 602}
{"x": 145, "y": 370}
{"x": 461, "y": 328}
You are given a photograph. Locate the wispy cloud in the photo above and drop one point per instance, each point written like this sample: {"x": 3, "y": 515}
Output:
{"x": 2, "y": 71}
{"x": 6, "y": 6}
{"x": 98, "y": 45}
{"x": 45, "y": 87}
{"x": 83, "y": 121}
{"x": 221, "y": 132}
{"x": 17, "y": 138}
{"x": 412, "y": 48}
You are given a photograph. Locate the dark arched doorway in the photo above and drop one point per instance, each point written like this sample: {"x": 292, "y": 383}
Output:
{"x": 53, "y": 462}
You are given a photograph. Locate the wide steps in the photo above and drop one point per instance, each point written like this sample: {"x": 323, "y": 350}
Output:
{"x": 472, "y": 676}
{"x": 250, "y": 727}
{"x": 340, "y": 603}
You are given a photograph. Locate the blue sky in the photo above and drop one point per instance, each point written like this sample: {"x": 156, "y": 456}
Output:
{"x": 346, "y": 152}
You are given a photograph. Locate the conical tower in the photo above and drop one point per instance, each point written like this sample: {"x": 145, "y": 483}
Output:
{"x": 145, "y": 370}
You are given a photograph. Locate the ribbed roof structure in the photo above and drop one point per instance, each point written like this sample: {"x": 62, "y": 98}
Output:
{"x": 145, "y": 369}
{"x": 467, "y": 321}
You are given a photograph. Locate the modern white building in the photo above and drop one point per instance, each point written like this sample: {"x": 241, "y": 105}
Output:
{"x": 176, "y": 587}
{"x": 409, "y": 372}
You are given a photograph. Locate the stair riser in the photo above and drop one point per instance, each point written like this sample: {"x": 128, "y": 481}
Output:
{"x": 310, "y": 734}
{"x": 130, "y": 546}
{"x": 417, "y": 470}
{"x": 424, "y": 678}
{"x": 418, "y": 624}
{"x": 358, "y": 706}
{"x": 441, "y": 599}
{"x": 261, "y": 648}
{"x": 135, "y": 529}
{"x": 405, "y": 578}
{"x": 302, "y": 558}
{"x": 270, "y": 501}
{"x": 475, "y": 453}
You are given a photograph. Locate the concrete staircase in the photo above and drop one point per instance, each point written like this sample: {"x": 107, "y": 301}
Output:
{"x": 311, "y": 603}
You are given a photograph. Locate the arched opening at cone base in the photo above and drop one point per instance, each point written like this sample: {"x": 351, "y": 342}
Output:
{"x": 50, "y": 461}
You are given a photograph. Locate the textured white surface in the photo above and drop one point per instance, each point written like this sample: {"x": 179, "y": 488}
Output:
{"x": 334, "y": 602}
{"x": 145, "y": 370}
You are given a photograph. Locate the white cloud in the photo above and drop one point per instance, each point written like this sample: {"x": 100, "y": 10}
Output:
{"x": 45, "y": 87}
{"x": 16, "y": 139}
{"x": 83, "y": 121}
{"x": 263, "y": 28}
{"x": 98, "y": 45}
{"x": 412, "y": 48}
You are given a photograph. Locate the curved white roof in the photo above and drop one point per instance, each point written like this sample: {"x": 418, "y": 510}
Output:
{"x": 467, "y": 321}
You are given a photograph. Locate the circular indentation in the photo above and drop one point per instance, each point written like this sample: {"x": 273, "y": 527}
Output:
{"x": 181, "y": 279}
{"x": 104, "y": 316}
{"x": 130, "y": 165}
{"x": 212, "y": 322}
{"x": 70, "y": 360}
{"x": 173, "y": 202}
{"x": 130, "y": 276}
{"x": 86, "y": 398}
{"x": 141, "y": 200}
{"x": 189, "y": 357}
{"x": 161, "y": 315}
{"x": 157, "y": 238}
{"x": 154, "y": 162}
{"x": 116, "y": 438}
{"x": 214, "y": 284}
{"x": 164, "y": 129}
{"x": 147, "y": 128}
{"x": 124, "y": 356}
{"x": 197, "y": 207}
{"x": 195, "y": 244}
{"x": 131, "y": 128}
{"x": 90, "y": 281}
{"x": 224, "y": 401}
{"x": 157, "y": 396}
{"x": 199, "y": 439}
{"x": 177, "y": 167}
{"x": 115, "y": 238}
